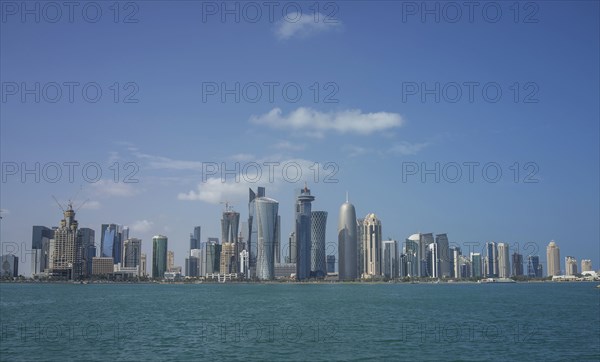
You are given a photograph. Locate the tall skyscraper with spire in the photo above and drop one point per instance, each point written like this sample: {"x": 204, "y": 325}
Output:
{"x": 303, "y": 233}
{"x": 229, "y": 238}
{"x": 66, "y": 249}
{"x": 503, "y": 260}
{"x": 347, "y": 242}
{"x": 553, "y": 259}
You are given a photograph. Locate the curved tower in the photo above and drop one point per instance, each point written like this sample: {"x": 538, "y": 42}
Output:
{"x": 371, "y": 246}
{"x": 347, "y": 242}
{"x": 318, "y": 262}
{"x": 265, "y": 220}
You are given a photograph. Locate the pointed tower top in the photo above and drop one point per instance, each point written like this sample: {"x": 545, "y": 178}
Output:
{"x": 346, "y": 196}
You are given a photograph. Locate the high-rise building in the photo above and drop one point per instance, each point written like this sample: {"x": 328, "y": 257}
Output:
{"x": 251, "y": 237}
{"x": 102, "y": 265}
{"x": 244, "y": 261}
{"x": 211, "y": 257}
{"x": 534, "y": 268}
{"x": 195, "y": 238}
{"x": 412, "y": 255}
{"x": 170, "y": 260}
{"x": 191, "y": 266}
{"x": 143, "y": 265}
{"x": 292, "y": 258}
{"x": 40, "y": 245}
{"x": 303, "y": 232}
{"x": 586, "y": 265}
{"x": 277, "y": 245}
{"x": 517, "y": 264}
{"x": 371, "y": 246}
{"x": 433, "y": 264}
{"x": 9, "y": 266}
{"x": 553, "y": 259}
{"x": 503, "y": 260}
{"x": 389, "y": 259}
{"x": 330, "y": 263}
{"x": 159, "y": 256}
{"x": 228, "y": 258}
{"x": 132, "y": 254}
{"x": 476, "y": 265}
{"x": 491, "y": 260}
{"x": 66, "y": 254}
{"x": 318, "y": 262}
{"x": 570, "y": 265}
{"x": 424, "y": 241}
{"x": 455, "y": 254}
{"x": 360, "y": 236}
{"x": 265, "y": 224}
{"x": 445, "y": 258}
{"x": 111, "y": 244}
{"x": 88, "y": 246}
{"x": 347, "y": 242}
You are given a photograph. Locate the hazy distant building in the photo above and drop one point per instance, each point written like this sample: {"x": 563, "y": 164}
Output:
{"x": 318, "y": 262}
{"x": 195, "y": 238}
{"x": 553, "y": 259}
{"x": 360, "y": 235}
{"x": 292, "y": 258}
{"x": 503, "y": 260}
{"x": 277, "y": 246}
{"x": 303, "y": 233}
{"x": 443, "y": 249}
{"x": 159, "y": 256}
{"x": 517, "y": 264}
{"x": 347, "y": 242}
{"x": 9, "y": 266}
{"x": 389, "y": 259}
{"x": 40, "y": 245}
{"x": 67, "y": 252}
{"x": 191, "y": 266}
{"x": 570, "y": 265}
{"x": 534, "y": 268}
{"x": 455, "y": 255}
{"x": 143, "y": 265}
{"x": 433, "y": 264}
{"x": 424, "y": 241}
{"x": 586, "y": 265}
{"x": 228, "y": 258}
{"x": 170, "y": 260}
{"x": 371, "y": 246}
{"x": 330, "y": 263}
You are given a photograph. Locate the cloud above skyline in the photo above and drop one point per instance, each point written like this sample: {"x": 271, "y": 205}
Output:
{"x": 316, "y": 123}
{"x": 299, "y": 25}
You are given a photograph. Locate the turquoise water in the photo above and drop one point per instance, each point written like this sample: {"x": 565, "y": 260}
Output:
{"x": 536, "y": 321}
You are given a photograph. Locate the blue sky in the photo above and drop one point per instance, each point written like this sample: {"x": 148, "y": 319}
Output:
{"x": 367, "y": 57}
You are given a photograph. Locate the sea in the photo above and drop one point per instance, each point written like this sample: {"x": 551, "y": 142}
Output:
{"x": 300, "y": 322}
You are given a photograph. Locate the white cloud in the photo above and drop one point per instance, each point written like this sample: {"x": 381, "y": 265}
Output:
{"x": 301, "y": 25}
{"x": 242, "y": 157}
{"x": 287, "y": 145}
{"x": 142, "y": 226}
{"x": 406, "y": 148}
{"x": 159, "y": 162}
{"x": 111, "y": 188}
{"x": 355, "y": 151}
{"x": 316, "y": 123}
{"x": 214, "y": 191}
{"x": 4, "y": 212}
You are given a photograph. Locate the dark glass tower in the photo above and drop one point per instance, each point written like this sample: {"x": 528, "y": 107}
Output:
{"x": 303, "y": 233}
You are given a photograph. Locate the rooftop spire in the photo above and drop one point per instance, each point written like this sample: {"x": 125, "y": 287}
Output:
{"x": 346, "y": 196}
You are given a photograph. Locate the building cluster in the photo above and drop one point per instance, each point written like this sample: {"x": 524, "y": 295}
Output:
{"x": 254, "y": 251}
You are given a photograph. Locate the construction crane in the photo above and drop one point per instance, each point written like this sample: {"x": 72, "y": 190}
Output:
{"x": 228, "y": 206}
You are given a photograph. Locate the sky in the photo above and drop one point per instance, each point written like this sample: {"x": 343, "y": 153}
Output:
{"x": 480, "y": 121}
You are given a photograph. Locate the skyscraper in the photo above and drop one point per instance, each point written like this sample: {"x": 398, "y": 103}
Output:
{"x": 230, "y": 222}
{"x": 66, "y": 253}
{"x": 360, "y": 236}
{"x": 318, "y": 262}
{"x": 132, "y": 253}
{"x": 412, "y": 255}
{"x": 476, "y": 265}
{"x": 586, "y": 265}
{"x": 534, "y": 268}
{"x": 303, "y": 233}
{"x": 252, "y": 242}
{"x": 347, "y": 242}
{"x": 517, "y": 264}
{"x": 292, "y": 258}
{"x": 433, "y": 264}
{"x": 331, "y": 263}
{"x": 491, "y": 260}
{"x": 228, "y": 258}
{"x": 389, "y": 259}
{"x": 570, "y": 265}
{"x": 265, "y": 223}
{"x": 444, "y": 255}
{"x": 170, "y": 260}
{"x": 111, "y": 244}
{"x": 9, "y": 266}
{"x": 143, "y": 265}
{"x": 553, "y": 259}
{"x": 455, "y": 257}
{"x": 503, "y": 260}
{"x": 40, "y": 245}
{"x": 159, "y": 256}
{"x": 371, "y": 246}
{"x": 424, "y": 241}
{"x": 88, "y": 246}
